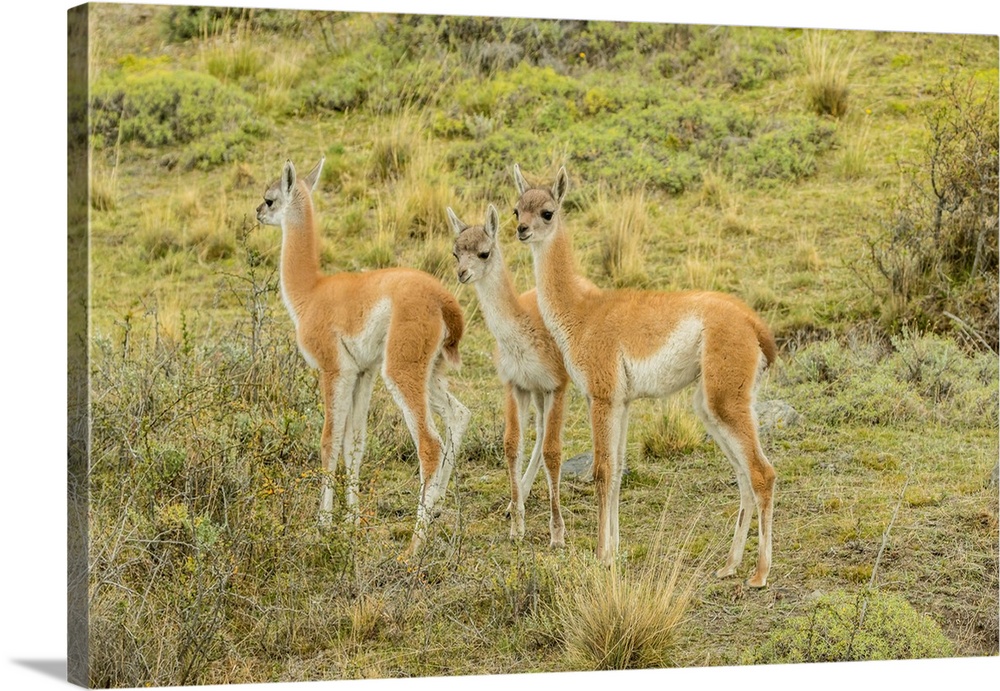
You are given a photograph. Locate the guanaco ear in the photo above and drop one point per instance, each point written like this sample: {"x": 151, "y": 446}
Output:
{"x": 456, "y": 224}
{"x": 492, "y": 221}
{"x": 561, "y": 186}
{"x": 522, "y": 184}
{"x": 288, "y": 178}
{"x": 312, "y": 179}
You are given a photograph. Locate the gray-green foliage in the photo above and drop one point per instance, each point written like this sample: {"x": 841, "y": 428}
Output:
{"x": 842, "y": 627}
{"x": 183, "y": 23}
{"x": 912, "y": 380}
{"x": 154, "y": 105}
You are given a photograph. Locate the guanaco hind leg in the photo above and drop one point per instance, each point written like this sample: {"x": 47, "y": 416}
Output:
{"x": 605, "y": 425}
{"x": 730, "y": 422}
{"x": 455, "y": 418}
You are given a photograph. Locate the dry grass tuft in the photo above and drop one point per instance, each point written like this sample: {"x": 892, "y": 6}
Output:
{"x": 827, "y": 67}
{"x": 628, "y": 619}
{"x": 676, "y": 431}
{"x": 622, "y": 249}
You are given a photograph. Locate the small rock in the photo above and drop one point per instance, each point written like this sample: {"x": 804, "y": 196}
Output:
{"x": 579, "y": 467}
{"x": 775, "y": 415}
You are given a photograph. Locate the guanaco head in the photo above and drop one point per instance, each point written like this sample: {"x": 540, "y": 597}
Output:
{"x": 475, "y": 246}
{"x": 287, "y": 192}
{"x": 537, "y": 208}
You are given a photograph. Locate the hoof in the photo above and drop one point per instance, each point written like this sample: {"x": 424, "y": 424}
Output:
{"x": 726, "y": 572}
{"x": 756, "y": 581}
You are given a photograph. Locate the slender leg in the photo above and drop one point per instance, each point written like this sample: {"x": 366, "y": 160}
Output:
{"x": 410, "y": 395}
{"x": 552, "y": 451}
{"x": 336, "y": 388}
{"x": 455, "y": 418}
{"x": 528, "y": 479}
{"x": 605, "y": 417}
{"x": 730, "y": 421}
{"x": 518, "y": 408}
{"x": 619, "y": 469}
{"x": 355, "y": 437}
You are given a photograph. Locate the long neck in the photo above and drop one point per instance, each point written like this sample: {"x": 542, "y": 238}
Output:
{"x": 497, "y": 297}
{"x": 299, "y": 256}
{"x": 555, "y": 276}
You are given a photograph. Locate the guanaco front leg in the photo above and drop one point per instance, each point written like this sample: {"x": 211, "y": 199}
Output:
{"x": 552, "y": 412}
{"x": 518, "y": 408}
{"x": 619, "y": 469}
{"x": 355, "y": 437}
{"x": 336, "y": 388}
{"x": 535, "y": 461}
{"x": 605, "y": 425}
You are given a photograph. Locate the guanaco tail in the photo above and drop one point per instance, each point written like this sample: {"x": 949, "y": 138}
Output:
{"x": 622, "y": 345}
{"x": 527, "y": 361}
{"x": 401, "y": 323}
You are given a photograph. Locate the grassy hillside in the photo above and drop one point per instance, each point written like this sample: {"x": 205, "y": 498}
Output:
{"x": 842, "y": 183}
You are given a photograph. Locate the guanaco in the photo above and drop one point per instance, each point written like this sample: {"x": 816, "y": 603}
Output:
{"x": 528, "y": 364}
{"x": 622, "y": 345}
{"x": 400, "y": 322}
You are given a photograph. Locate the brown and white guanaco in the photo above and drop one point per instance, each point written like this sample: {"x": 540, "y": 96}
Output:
{"x": 622, "y": 345}
{"x": 400, "y": 322}
{"x": 527, "y": 361}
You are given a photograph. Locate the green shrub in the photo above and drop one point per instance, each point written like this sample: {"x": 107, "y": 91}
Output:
{"x": 842, "y": 627}
{"x": 183, "y": 23}
{"x": 913, "y": 380}
{"x": 780, "y": 152}
{"x": 155, "y": 106}
{"x": 340, "y": 89}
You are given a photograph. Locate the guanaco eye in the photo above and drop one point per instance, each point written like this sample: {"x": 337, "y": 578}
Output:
{"x": 484, "y": 255}
{"x": 269, "y": 202}
{"x": 547, "y": 215}
{"x": 455, "y": 255}
{"x": 515, "y": 214}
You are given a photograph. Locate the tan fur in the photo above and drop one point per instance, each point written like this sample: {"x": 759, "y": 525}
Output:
{"x": 401, "y": 323}
{"x": 620, "y": 345}
{"x": 528, "y": 363}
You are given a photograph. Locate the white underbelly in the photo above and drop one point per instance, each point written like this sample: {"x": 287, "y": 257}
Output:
{"x": 672, "y": 367}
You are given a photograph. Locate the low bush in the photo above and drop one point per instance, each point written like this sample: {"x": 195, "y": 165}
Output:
{"x": 184, "y": 23}
{"x": 911, "y": 380}
{"x": 843, "y": 627}
{"x": 153, "y": 105}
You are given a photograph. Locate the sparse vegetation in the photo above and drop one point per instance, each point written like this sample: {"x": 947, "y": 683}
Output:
{"x": 205, "y": 562}
{"x": 935, "y": 249}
